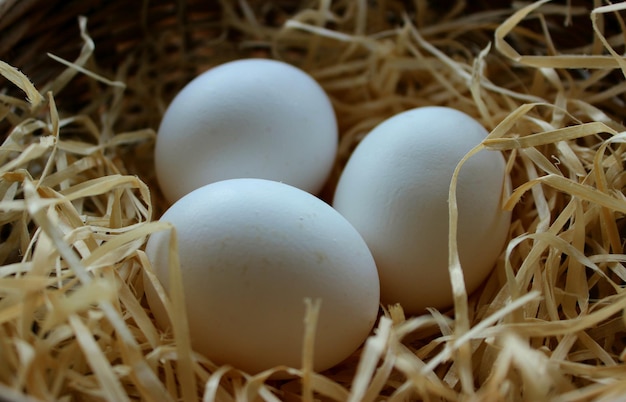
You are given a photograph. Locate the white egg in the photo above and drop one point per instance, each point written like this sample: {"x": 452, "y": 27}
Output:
{"x": 394, "y": 191}
{"x": 247, "y": 118}
{"x": 251, "y": 251}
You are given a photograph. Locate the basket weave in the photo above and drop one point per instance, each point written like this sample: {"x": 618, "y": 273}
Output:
{"x": 78, "y": 195}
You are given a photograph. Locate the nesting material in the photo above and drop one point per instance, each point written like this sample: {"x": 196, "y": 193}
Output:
{"x": 78, "y": 200}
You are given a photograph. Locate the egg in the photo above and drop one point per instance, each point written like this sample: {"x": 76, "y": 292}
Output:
{"x": 254, "y": 118}
{"x": 394, "y": 191}
{"x": 251, "y": 251}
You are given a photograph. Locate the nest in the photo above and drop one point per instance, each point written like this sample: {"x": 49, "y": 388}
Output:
{"x": 86, "y": 83}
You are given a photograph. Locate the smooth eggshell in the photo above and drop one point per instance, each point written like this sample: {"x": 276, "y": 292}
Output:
{"x": 251, "y": 251}
{"x": 394, "y": 191}
{"x": 247, "y": 118}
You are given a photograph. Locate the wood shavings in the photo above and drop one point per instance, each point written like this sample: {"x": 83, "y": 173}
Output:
{"x": 78, "y": 196}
